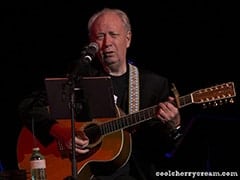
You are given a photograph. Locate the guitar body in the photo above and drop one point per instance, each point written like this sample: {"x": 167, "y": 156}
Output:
{"x": 111, "y": 153}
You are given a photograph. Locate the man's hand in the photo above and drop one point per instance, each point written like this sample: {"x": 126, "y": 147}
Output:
{"x": 169, "y": 113}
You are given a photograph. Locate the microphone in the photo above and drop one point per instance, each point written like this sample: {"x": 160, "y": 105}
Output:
{"x": 89, "y": 52}
{"x": 81, "y": 66}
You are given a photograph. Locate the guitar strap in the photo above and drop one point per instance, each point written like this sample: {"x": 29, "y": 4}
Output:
{"x": 133, "y": 89}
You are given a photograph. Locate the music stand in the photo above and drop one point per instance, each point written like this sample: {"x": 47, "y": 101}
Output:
{"x": 94, "y": 94}
{"x": 93, "y": 98}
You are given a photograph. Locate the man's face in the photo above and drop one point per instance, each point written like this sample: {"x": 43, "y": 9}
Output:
{"x": 112, "y": 37}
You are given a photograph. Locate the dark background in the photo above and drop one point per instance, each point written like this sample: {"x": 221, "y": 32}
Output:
{"x": 193, "y": 43}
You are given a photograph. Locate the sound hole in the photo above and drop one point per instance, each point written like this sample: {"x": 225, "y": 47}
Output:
{"x": 93, "y": 133}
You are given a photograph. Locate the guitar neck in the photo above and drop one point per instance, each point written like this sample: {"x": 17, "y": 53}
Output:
{"x": 128, "y": 120}
{"x": 137, "y": 117}
{"x": 185, "y": 100}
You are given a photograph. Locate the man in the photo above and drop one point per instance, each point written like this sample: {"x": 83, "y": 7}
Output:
{"x": 134, "y": 89}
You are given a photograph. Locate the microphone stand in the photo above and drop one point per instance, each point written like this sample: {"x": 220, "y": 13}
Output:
{"x": 71, "y": 92}
{"x": 74, "y": 161}
{"x": 73, "y": 78}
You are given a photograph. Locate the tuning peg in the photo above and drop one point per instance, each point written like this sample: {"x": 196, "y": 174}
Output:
{"x": 215, "y": 104}
{"x": 231, "y": 100}
{"x": 220, "y": 102}
{"x": 204, "y": 105}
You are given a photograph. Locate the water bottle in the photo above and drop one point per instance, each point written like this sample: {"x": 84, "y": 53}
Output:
{"x": 38, "y": 165}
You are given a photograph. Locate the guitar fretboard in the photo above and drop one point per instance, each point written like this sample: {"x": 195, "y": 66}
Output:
{"x": 128, "y": 120}
{"x": 185, "y": 100}
{"x": 138, "y": 117}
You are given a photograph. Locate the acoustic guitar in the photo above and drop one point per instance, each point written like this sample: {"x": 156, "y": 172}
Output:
{"x": 110, "y": 145}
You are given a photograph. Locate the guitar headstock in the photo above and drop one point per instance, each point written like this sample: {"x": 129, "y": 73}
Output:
{"x": 215, "y": 95}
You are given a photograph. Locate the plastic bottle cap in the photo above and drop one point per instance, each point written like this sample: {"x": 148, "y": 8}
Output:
{"x": 36, "y": 148}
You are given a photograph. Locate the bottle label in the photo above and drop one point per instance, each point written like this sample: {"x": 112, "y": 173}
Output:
{"x": 38, "y": 164}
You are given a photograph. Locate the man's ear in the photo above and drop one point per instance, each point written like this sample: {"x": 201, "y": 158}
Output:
{"x": 129, "y": 38}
